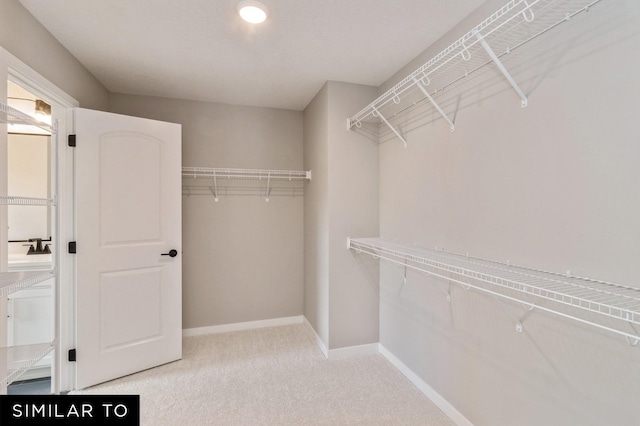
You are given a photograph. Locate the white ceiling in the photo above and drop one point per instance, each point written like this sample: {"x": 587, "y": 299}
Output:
{"x": 202, "y": 50}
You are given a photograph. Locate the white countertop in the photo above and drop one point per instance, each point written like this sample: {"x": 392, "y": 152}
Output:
{"x": 32, "y": 261}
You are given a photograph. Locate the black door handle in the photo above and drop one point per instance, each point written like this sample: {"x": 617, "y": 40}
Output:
{"x": 172, "y": 253}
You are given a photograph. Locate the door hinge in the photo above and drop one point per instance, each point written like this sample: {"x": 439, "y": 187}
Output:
{"x": 72, "y": 247}
{"x": 71, "y": 140}
{"x": 72, "y": 355}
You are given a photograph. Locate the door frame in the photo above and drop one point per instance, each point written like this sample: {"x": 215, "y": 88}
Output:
{"x": 14, "y": 70}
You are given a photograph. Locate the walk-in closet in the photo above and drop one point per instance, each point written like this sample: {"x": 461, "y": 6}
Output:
{"x": 273, "y": 212}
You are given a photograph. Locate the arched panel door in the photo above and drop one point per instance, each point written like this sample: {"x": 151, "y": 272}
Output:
{"x": 128, "y": 260}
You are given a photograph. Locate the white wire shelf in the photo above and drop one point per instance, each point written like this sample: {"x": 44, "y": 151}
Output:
{"x": 11, "y": 115}
{"x": 508, "y": 29}
{"x": 204, "y": 172}
{"x": 11, "y": 282}
{"x": 26, "y": 201}
{"x": 25, "y": 356}
{"x": 226, "y": 181}
{"x": 608, "y": 306}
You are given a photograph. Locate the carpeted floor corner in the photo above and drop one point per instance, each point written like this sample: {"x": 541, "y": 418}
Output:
{"x": 273, "y": 376}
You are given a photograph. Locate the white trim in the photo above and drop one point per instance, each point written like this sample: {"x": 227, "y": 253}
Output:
{"x": 22, "y": 74}
{"x": 341, "y": 353}
{"x": 67, "y": 220}
{"x": 27, "y": 77}
{"x": 239, "y": 326}
{"x": 434, "y": 396}
{"x": 319, "y": 342}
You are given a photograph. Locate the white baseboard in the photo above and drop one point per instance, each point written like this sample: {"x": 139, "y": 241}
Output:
{"x": 239, "y": 326}
{"x": 341, "y": 353}
{"x": 319, "y": 342}
{"x": 434, "y": 396}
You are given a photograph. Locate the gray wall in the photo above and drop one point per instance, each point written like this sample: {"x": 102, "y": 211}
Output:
{"x": 341, "y": 297}
{"x": 29, "y": 41}
{"x": 220, "y": 285}
{"x": 243, "y": 257}
{"x": 316, "y": 215}
{"x": 353, "y": 211}
{"x": 552, "y": 186}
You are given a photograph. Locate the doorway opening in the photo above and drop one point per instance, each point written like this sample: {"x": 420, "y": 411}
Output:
{"x": 30, "y": 321}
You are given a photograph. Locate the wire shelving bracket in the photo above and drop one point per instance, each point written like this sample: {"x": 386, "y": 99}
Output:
{"x": 375, "y": 113}
{"x": 502, "y": 68}
{"x": 424, "y": 90}
{"x": 243, "y": 181}
{"x": 611, "y": 307}
{"x": 509, "y": 28}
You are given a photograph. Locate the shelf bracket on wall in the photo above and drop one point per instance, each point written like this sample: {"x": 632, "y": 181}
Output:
{"x": 433, "y": 102}
{"x": 634, "y": 339}
{"x": 404, "y": 276}
{"x": 377, "y": 113}
{"x": 502, "y": 68}
{"x": 268, "y": 186}
{"x": 215, "y": 187}
{"x": 519, "y": 327}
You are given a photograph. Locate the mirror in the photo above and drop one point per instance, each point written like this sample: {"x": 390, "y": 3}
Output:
{"x": 28, "y": 169}
{"x": 28, "y": 161}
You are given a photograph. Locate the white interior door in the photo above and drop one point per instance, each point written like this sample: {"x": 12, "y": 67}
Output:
{"x": 128, "y": 214}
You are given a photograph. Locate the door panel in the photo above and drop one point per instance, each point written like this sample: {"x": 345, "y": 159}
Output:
{"x": 128, "y": 207}
{"x": 130, "y": 175}
{"x": 122, "y": 321}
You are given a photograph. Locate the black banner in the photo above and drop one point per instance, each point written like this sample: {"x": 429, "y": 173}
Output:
{"x": 25, "y": 410}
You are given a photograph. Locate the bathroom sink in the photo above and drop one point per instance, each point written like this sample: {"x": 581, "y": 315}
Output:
{"x": 20, "y": 261}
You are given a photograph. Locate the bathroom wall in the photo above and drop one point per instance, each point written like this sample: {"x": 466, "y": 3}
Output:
{"x": 28, "y": 167}
{"x": 551, "y": 186}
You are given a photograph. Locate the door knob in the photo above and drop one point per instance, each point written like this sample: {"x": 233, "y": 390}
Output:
{"x": 172, "y": 253}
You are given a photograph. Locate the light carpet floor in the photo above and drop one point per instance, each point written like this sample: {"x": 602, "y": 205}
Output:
{"x": 273, "y": 376}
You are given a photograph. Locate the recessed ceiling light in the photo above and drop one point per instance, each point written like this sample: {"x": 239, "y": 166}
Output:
{"x": 253, "y": 12}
